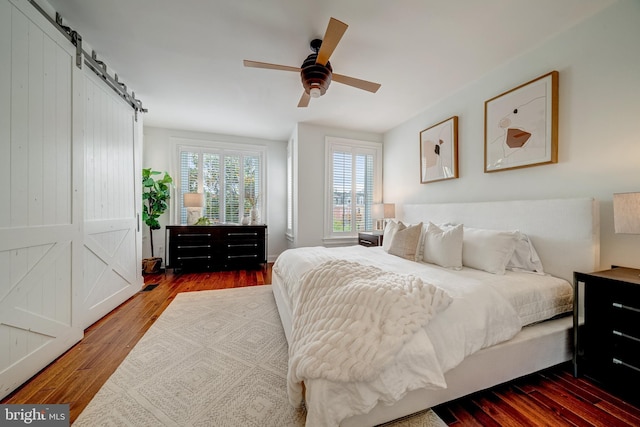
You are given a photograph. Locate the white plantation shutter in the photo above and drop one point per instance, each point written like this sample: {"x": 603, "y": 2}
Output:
{"x": 232, "y": 190}
{"x": 188, "y": 178}
{"x": 211, "y": 185}
{"x": 342, "y": 194}
{"x": 364, "y": 177}
{"x": 354, "y": 171}
{"x": 229, "y": 179}
{"x": 290, "y": 189}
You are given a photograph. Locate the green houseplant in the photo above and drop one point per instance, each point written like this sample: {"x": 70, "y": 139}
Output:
{"x": 155, "y": 197}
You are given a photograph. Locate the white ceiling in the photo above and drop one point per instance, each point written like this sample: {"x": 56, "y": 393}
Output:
{"x": 184, "y": 58}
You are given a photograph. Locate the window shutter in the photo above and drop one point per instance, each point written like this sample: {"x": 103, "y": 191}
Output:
{"x": 342, "y": 172}
{"x": 211, "y": 185}
{"x": 188, "y": 179}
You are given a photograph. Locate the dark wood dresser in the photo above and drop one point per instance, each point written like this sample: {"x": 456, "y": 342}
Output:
{"x": 607, "y": 329}
{"x": 215, "y": 247}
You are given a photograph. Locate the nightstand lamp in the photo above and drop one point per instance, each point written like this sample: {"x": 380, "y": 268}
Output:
{"x": 626, "y": 213}
{"x": 381, "y": 212}
{"x": 194, "y": 203}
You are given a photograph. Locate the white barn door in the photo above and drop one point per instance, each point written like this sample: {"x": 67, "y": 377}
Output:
{"x": 112, "y": 201}
{"x": 40, "y": 208}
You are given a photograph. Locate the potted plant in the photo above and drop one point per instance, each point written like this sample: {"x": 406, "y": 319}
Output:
{"x": 155, "y": 195}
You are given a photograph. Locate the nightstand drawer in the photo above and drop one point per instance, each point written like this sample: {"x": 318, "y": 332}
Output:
{"x": 369, "y": 239}
{"x": 625, "y": 347}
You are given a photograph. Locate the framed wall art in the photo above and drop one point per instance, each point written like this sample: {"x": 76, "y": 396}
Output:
{"x": 439, "y": 151}
{"x": 521, "y": 126}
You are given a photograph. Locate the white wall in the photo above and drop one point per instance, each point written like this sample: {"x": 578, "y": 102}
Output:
{"x": 599, "y": 128}
{"x": 160, "y": 153}
{"x": 310, "y": 142}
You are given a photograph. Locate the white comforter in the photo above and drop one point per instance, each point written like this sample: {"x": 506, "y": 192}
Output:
{"x": 350, "y": 321}
{"x": 483, "y": 313}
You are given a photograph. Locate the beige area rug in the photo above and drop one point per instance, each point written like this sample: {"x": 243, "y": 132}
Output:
{"x": 213, "y": 358}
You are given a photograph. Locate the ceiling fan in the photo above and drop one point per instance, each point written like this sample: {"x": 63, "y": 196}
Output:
{"x": 316, "y": 72}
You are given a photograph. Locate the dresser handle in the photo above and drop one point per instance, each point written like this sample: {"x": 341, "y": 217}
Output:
{"x": 623, "y": 335}
{"x": 194, "y": 235}
{"x": 626, "y": 365}
{"x": 242, "y": 245}
{"x": 242, "y": 234}
{"x": 625, "y": 307}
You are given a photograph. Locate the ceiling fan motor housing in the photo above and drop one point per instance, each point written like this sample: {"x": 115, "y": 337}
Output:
{"x": 315, "y": 76}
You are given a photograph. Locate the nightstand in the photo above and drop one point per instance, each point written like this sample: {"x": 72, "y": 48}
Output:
{"x": 370, "y": 238}
{"x": 607, "y": 329}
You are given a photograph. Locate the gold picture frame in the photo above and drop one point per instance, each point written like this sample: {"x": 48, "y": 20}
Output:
{"x": 521, "y": 126}
{"x": 439, "y": 151}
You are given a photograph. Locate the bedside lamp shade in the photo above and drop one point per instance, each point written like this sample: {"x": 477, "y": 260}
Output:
{"x": 626, "y": 213}
{"x": 194, "y": 203}
{"x": 381, "y": 212}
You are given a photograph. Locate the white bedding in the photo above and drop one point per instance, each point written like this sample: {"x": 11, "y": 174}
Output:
{"x": 486, "y": 309}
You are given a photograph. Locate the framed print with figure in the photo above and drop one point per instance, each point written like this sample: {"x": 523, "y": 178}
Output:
{"x": 521, "y": 126}
{"x": 439, "y": 151}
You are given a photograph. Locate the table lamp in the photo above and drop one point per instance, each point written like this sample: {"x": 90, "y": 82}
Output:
{"x": 381, "y": 212}
{"x": 194, "y": 203}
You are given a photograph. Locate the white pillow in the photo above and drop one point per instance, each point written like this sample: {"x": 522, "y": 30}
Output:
{"x": 525, "y": 257}
{"x": 405, "y": 242}
{"x": 488, "y": 250}
{"x": 443, "y": 247}
{"x": 388, "y": 233}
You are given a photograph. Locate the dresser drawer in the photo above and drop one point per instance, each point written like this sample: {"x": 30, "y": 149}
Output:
{"x": 192, "y": 237}
{"x": 192, "y": 249}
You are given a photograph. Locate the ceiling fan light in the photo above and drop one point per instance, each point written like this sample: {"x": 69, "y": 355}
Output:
{"x": 315, "y": 92}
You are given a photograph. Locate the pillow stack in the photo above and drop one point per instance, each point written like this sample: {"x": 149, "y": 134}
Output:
{"x": 454, "y": 246}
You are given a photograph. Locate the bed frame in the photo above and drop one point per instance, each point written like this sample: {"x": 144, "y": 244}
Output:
{"x": 565, "y": 233}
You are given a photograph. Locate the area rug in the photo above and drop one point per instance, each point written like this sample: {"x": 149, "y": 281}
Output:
{"x": 213, "y": 358}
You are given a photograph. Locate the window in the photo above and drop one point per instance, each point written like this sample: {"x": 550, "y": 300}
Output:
{"x": 354, "y": 183}
{"x": 231, "y": 180}
{"x": 290, "y": 195}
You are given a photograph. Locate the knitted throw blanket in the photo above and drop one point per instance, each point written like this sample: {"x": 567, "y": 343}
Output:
{"x": 350, "y": 320}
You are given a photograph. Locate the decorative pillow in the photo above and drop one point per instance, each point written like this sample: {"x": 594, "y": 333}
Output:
{"x": 443, "y": 247}
{"x": 488, "y": 250}
{"x": 405, "y": 242}
{"x": 525, "y": 257}
{"x": 390, "y": 231}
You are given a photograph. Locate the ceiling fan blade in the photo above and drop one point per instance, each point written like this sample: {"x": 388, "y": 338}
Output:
{"x": 335, "y": 31}
{"x": 352, "y": 81}
{"x": 304, "y": 100}
{"x": 256, "y": 64}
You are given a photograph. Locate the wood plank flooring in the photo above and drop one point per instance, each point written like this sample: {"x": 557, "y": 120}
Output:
{"x": 553, "y": 397}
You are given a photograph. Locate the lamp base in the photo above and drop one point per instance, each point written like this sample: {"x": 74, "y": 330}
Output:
{"x": 193, "y": 215}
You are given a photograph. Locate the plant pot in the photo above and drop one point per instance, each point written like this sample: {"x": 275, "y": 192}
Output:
{"x": 151, "y": 265}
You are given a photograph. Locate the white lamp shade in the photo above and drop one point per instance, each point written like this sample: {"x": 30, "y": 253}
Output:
{"x": 626, "y": 213}
{"x": 193, "y": 200}
{"x": 383, "y": 210}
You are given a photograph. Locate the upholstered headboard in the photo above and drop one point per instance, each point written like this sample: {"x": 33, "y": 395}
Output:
{"x": 565, "y": 232}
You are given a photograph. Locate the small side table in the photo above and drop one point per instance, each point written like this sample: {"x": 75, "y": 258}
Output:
{"x": 607, "y": 331}
{"x": 370, "y": 238}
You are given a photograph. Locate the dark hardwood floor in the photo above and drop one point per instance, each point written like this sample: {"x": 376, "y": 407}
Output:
{"x": 553, "y": 397}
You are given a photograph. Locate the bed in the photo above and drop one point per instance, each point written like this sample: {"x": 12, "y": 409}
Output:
{"x": 564, "y": 233}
